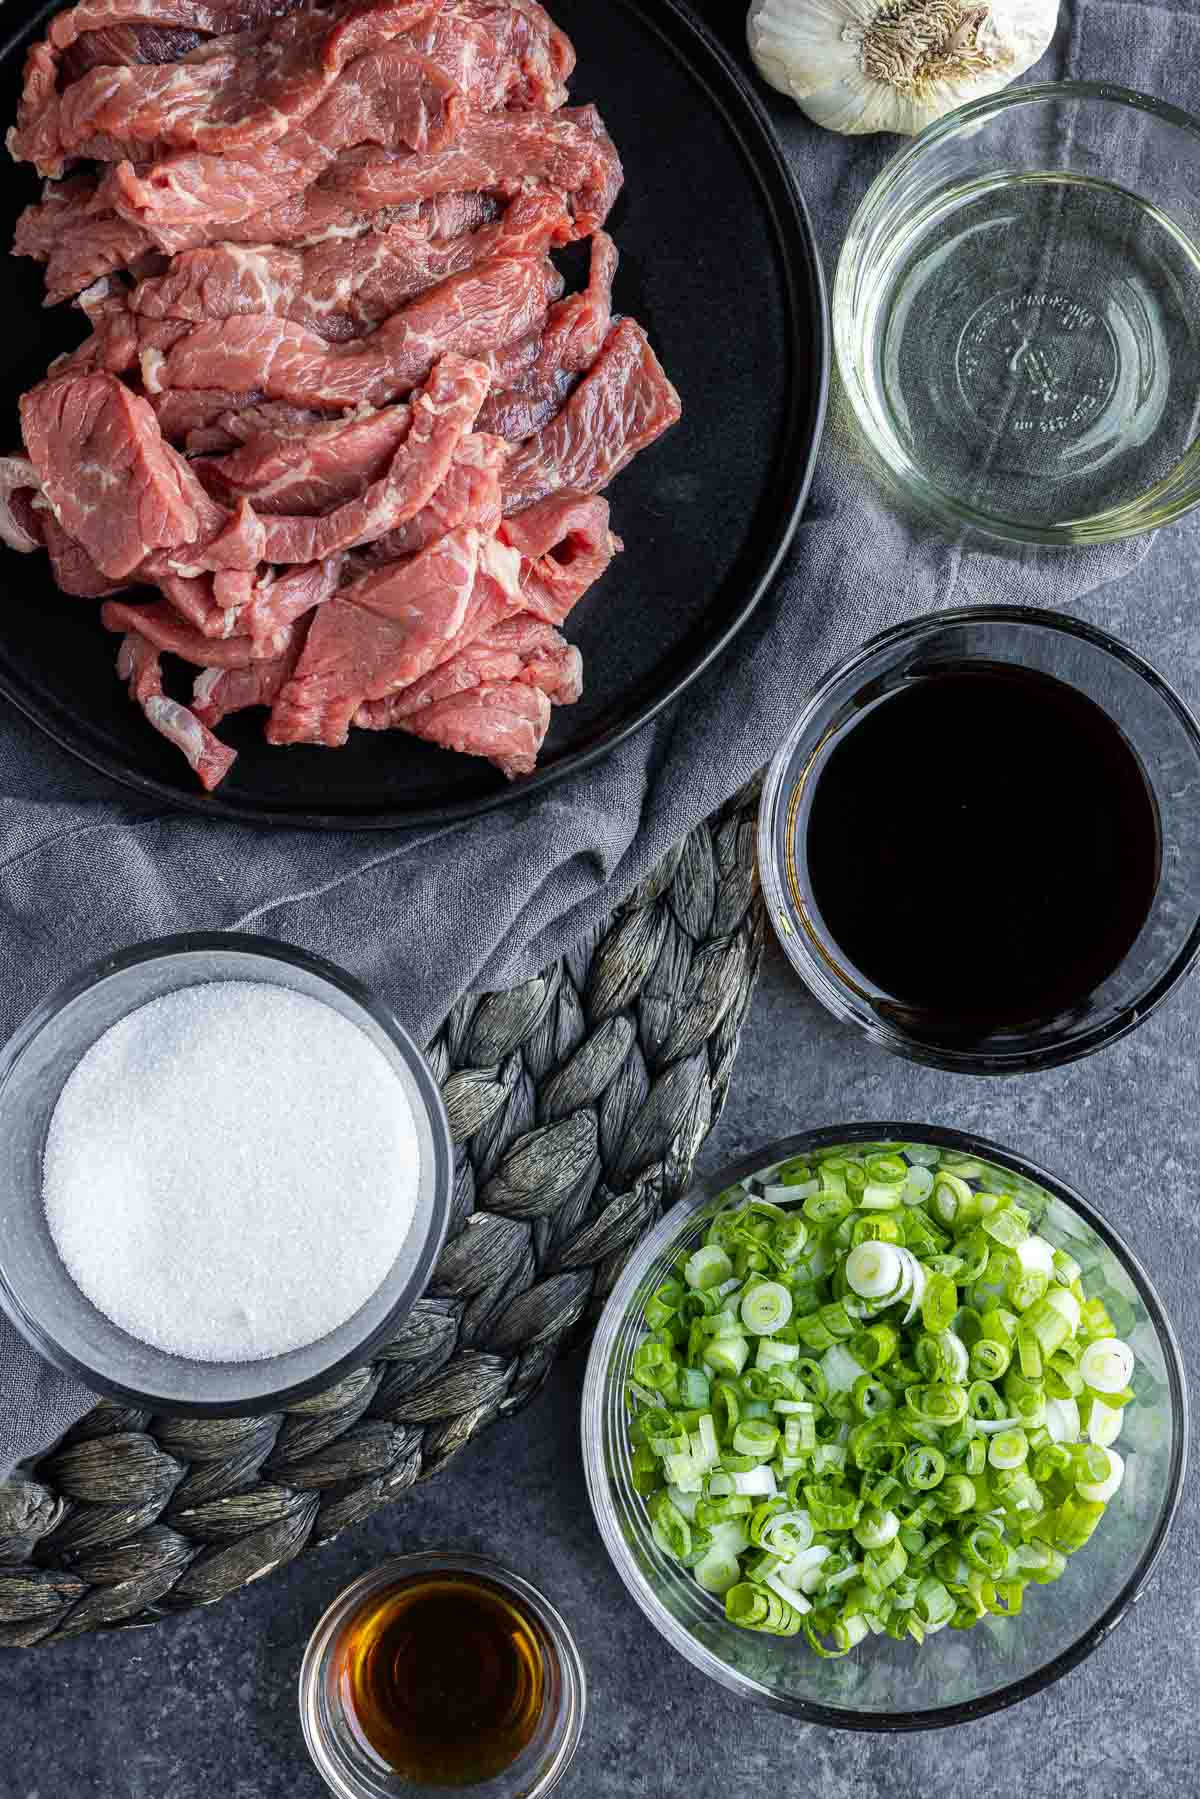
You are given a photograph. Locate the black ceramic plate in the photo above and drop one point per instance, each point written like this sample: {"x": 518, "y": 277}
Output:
{"x": 718, "y": 261}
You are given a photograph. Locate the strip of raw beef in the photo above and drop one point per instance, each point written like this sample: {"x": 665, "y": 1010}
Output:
{"x": 568, "y": 152}
{"x": 133, "y": 503}
{"x": 124, "y": 46}
{"x": 495, "y": 302}
{"x": 194, "y": 599}
{"x": 574, "y": 336}
{"x": 390, "y": 97}
{"x": 565, "y": 545}
{"x": 280, "y": 600}
{"x": 112, "y": 482}
{"x": 441, "y": 415}
{"x": 470, "y": 495}
{"x": 218, "y": 692}
{"x": 244, "y": 92}
{"x": 74, "y": 571}
{"x": 19, "y": 486}
{"x": 162, "y": 626}
{"x": 138, "y": 664}
{"x": 385, "y": 630}
{"x": 221, "y": 429}
{"x": 499, "y": 52}
{"x": 506, "y": 723}
{"x": 346, "y": 287}
{"x": 523, "y": 648}
{"x": 145, "y": 24}
{"x": 197, "y": 418}
{"x": 619, "y": 407}
{"x": 309, "y": 472}
{"x": 77, "y": 245}
{"x": 249, "y": 88}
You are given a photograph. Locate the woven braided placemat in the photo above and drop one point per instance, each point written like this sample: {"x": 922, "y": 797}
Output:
{"x": 578, "y": 1103}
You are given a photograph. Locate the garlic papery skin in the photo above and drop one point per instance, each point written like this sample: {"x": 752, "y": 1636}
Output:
{"x": 894, "y": 65}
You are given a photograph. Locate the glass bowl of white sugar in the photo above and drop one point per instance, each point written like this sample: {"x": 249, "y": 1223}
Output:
{"x": 225, "y": 1175}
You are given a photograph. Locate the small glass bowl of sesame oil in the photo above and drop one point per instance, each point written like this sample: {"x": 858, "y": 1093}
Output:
{"x": 441, "y": 1671}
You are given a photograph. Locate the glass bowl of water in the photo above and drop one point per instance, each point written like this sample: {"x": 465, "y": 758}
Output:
{"x": 956, "y": 1675}
{"x": 1016, "y": 316}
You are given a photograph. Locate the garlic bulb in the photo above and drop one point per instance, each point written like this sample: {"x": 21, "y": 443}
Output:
{"x": 894, "y": 65}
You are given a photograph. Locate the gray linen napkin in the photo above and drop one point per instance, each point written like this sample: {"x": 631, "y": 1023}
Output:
{"x": 427, "y": 915}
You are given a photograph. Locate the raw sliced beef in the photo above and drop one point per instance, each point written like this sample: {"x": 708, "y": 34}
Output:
{"x": 622, "y": 404}
{"x": 346, "y": 287}
{"x": 565, "y": 545}
{"x": 504, "y": 298}
{"x": 569, "y": 153}
{"x": 233, "y": 93}
{"x": 335, "y": 437}
{"x": 505, "y": 722}
{"x": 220, "y": 691}
{"x": 138, "y": 664}
{"x": 280, "y": 600}
{"x": 114, "y": 485}
{"x": 470, "y": 495}
{"x": 574, "y": 336}
{"x": 19, "y": 487}
{"x": 309, "y": 472}
{"x": 162, "y": 626}
{"x": 378, "y": 634}
{"x": 74, "y": 571}
{"x": 442, "y": 414}
{"x": 50, "y": 61}
{"x": 77, "y": 245}
{"x": 523, "y": 648}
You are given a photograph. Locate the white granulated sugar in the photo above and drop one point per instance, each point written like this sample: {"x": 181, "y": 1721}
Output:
{"x": 231, "y": 1171}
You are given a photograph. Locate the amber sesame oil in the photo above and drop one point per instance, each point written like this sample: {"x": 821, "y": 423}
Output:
{"x": 1034, "y": 345}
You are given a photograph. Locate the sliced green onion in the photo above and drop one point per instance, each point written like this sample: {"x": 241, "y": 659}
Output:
{"x": 1106, "y": 1365}
{"x": 875, "y": 1271}
{"x": 707, "y": 1267}
{"x": 956, "y": 1451}
{"x": 766, "y": 1308}
{"x": 728, "y": 1355}
{"x": 1099, "y": 1420}
{"x": 1008, "y": 1449}
{"x": 1102, "y": 1490}
{"x": 756, "y": 1438}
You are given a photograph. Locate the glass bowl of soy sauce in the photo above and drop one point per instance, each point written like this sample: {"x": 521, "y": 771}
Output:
{"x": 979, "y": 841}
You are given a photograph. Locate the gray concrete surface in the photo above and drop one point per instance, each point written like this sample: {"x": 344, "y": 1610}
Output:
{"x": 204, "y": 1706}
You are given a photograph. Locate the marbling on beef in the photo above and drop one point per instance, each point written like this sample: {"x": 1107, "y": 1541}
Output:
{"x": 346, "y": 287}
{"x": 336, "y": 437}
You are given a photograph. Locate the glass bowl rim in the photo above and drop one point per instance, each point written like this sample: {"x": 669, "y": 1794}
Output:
{"x": 592, "y": 1414}
{"x": 811, "y": 968}
{"x": 1117, "y": 522}
{"x": 39, "y": 1335}
{"x": 450, "y": 1561}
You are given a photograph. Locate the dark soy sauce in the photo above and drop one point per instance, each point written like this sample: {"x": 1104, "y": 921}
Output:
{"x": 979, "y": 848}
{"x": 444, "y": 1677}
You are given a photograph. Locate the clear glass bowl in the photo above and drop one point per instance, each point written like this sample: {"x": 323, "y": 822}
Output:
{"x": 38, "y": 1294}
{"x": 955, "y": 1675}
{"x": 1156, "y": 724}
{"x": 336, "y": 1745}
{"x": 1016, "y": 316}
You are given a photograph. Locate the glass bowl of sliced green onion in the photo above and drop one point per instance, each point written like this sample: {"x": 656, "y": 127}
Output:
{"x": 884, "y": 1427}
